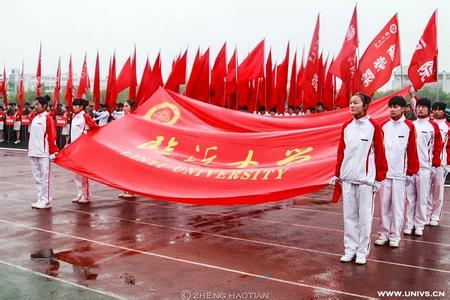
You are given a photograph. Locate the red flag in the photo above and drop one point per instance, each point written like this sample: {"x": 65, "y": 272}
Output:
{"x": 343, "y": 97}
{"x": 231, "y": 81}
{"x": 133, "y": 80}
{"x": 111, "y": 94}
{"x": 198, "y": 84}
{"x": 96, "y": 92}
{"x": 299, "y": 98}
{"x": 344, "y": 65}
{"x": 68, "y": 95}
{"x": 282, "y": 76}
{"x": 253, "y": 65}
{"x": 145, "y": 81}
{"x": 20, "y": 92}
{"x": 269, "y": 82}
{"x": 423, "y": 66}
{"x": 218, "y": 74}
{"x": 124, "y": 79}
{"x": 320, "y": 77}
{"x": 231, "y": 76}
{"x": 381, "y": 57}
{"x": 310, "y": 75}
{"x": 328, "y": 89}
{"x": 156, "y": 80}
{"x": 38, "y": 73}
{"x": 84, "y": 81}
{"x": 57, "y": 89}
{"x": 178, "y": 74}
{"x": 293, "y": 82}
{"x": 5, "y": 88}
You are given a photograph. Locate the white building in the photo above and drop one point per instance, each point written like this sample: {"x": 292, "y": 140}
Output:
{"x": 402, "y": 74}
{"x": 48, "y": 81}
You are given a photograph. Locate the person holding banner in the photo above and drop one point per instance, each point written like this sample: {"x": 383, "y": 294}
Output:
{"x": 41, "y": 149}
{"x": 361, "y": 167}
{"x": 435, "y": 204}
{"x": 81, "y": 123}
{"x": 401, "y": 154}
{"x": 2, "y": 123}
{"x": 17, "y": 124}
{"x": 418, "y": 187}
{"x": 128, "y": 107}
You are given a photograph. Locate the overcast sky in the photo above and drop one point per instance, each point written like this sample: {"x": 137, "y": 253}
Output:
{"x": 172, "y": 25}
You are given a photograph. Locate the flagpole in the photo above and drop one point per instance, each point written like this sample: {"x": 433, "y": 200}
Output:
{"x": 237, "y": 79}
{"x": 358, "y": 55}
{"x": 257, "y": 90}
{"x": 437, "y": 65}
{"x": 400, "y": 53}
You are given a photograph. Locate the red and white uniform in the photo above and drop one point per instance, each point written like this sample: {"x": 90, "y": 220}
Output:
{"x": 17, "y": 122}
{"x": 402, "y": 158}
{"x": 361, "y": 161}
{"x": 42, "y": 143}
{"x": 438, "y": 179}
{"x": 81, "y": 123}
{"x": 418, "y": 187}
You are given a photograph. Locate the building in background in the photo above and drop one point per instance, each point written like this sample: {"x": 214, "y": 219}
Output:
{"x": 443, "y": 83}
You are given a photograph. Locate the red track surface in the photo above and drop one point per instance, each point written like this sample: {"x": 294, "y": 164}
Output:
{"x": 149, "y": 249}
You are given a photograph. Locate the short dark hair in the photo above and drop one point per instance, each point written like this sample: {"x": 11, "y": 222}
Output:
{"x": 439, "y": 105}
{"x": 397, "y": 100}
{"x": 80, "y": 102}
{"x": 365, "y": 99}
{"x": 424, "y": 102}
{"x": 43, "y": 100}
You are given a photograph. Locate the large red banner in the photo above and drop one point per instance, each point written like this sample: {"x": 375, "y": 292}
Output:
{"x": 178, "y": 149}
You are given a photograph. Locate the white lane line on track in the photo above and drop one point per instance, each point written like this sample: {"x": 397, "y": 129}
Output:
{"x": 60, "y": 280}
{"x": 243, "y": 239}
{"x": 188, "y": 261}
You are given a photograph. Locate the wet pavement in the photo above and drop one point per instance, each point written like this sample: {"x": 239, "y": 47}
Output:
{"x": 147, "y": 249}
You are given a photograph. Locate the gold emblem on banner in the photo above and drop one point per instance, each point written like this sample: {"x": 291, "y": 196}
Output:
{"x": 166, "y": 113}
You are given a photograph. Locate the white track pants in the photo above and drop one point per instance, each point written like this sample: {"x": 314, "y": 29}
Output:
{"x": 437, "y": 195}
{"x": 358, "y": 215}
{"x": 392, "y": 204}
{"x": 82, "y": 184}
{"x": 417, "y": 194}
{"x": 40, "y": 167}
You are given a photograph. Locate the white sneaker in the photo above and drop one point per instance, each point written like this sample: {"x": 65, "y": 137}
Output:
{"x": 407, "y": 231}
{"x": 346, "y": 258}
{"x": 34, "y": 204}
{"x": 393, "y": 244}
{"x": 84, "y": 200}
{"x": 380, "y": 242}
{"x": 418, "y": 232}
{"x": 41, "y": 205}
{"x": 360, "y": 260}
{"x": 16, "y": 142}
{"x": 76, "y": 199}
{"x": 434, "y": 223}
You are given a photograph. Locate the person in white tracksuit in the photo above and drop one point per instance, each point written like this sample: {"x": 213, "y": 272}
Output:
{"x": 418, "y": 187}
{"x": 81, "y": 123}
{"x": 402, "y": 158}
{"x": 361, "y": 166}
{"x": 41, "y": 149}
{"x": 437, "y": 181}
